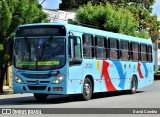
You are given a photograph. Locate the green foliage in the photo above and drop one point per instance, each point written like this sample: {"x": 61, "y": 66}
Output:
{"x": 1, "y": 47}
{"x": 108, "y": 17}
{"x": 142, "y": 34}
{"x": 25, "y": 12}
{"x": 6, "y": 57}
{"x": 5, "y": 18}
{"x": 140, "y": 9}
{"x": 12, "y": 14}
{"x": 71, "y": 21}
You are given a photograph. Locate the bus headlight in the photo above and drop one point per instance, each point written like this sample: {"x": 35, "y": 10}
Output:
{"x": 17, "y": 79}
{"x": 59, "y": 79}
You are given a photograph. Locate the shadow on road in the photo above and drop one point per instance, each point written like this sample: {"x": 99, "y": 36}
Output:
{"x": 112, "y": 94}
{"x": 56, "y": 99}
{"x": 156, "y": 77}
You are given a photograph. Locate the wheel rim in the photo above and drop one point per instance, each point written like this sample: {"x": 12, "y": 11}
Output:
{"x": 87, "y": 89}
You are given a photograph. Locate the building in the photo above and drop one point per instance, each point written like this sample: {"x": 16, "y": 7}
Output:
{"x": 59, "y": 15}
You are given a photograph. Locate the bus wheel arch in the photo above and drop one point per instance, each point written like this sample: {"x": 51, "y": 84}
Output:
{"x": 88, "y": 87}
{"x": 134, "y": 84}
{"x": 92, "y": 81}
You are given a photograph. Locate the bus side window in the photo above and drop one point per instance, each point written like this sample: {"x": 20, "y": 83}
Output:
{"x": 124, "y": 50}
{"x": 87, "y": 50}
{"x": 143, "y": 52}
{"x": 149, "y": 53}
{"x": 88, "y": 46}
{"x": 100, "y": 47}
{"x": 113, "y": 48}
{"x": 113, "y": 54}
{"x": 77, "y": 48}
{"x": 134, "y": 51}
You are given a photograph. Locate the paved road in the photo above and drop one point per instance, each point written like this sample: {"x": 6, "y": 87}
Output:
{"x": 147, "y": 97}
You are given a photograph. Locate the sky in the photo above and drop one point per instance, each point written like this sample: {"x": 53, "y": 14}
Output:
{"x": 50, "y": 4}
{"x": 156, "y": 9}
{"x": 54, "y": 4}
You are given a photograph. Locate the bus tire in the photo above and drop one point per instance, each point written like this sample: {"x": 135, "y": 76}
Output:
{"x": 87, "y": 89}
{"x": 40, "y": 97}
{"x": 133, "y": 87}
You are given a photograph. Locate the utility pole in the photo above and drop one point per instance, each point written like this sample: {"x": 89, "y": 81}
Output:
{"x": 155, "y": 47}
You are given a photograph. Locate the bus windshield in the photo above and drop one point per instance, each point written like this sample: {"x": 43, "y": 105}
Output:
{"x": 39, "y": 53}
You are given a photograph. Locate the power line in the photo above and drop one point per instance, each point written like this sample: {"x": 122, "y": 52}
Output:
{"x": 43, "y": 1}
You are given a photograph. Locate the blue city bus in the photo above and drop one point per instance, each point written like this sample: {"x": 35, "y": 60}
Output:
{"x": 63, "y": 59}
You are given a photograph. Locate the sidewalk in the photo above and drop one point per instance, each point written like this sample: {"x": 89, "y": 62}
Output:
{"x": 7, "y": 90}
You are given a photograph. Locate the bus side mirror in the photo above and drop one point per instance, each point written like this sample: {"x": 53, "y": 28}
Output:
{"x": 74, "y": 39}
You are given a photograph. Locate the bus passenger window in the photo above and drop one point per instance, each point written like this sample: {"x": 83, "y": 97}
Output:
{"x": 77, "y": 49}
{"x": 143, "y": 52}
{"x": 88, "y": 51}
{"x": 134, "y": 51}
{"x": 113, "y": 48}
{"x": 113, "y": 54}
{"x": 124, "y": 50}
{"x": 100, "y": 47}
{"x": 149, "y": 53}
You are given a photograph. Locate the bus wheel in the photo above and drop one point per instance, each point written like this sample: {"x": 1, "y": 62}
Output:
{"x": 133, "y": 85}
{"x": 40, "y": 97}
{"x": 87, "y": 89}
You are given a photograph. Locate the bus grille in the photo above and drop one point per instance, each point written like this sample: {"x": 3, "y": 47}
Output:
{"x": 37, "y": 76}
{"x": 35, "y": 81}
{"x": 37, "y": 87}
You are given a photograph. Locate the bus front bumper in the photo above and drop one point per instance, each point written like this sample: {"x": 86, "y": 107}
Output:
{"x": 43, "y": 88}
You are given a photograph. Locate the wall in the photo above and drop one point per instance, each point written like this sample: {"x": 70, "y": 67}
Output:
{"x": 59, "y": 15}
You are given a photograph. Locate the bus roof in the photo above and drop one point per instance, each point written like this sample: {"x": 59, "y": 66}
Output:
{"x": 82, "y": 29}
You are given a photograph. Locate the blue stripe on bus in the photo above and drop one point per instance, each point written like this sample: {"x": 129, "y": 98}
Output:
{"x": 121, "y": 74}
{"x": 145, "y": 68}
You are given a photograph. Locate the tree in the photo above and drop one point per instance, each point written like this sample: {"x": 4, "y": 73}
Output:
{"x": 141, "y": 10}
{"x": 109, "y": 18}
{"x": 12, "y": 14}
{"x": 5, "y": 19}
